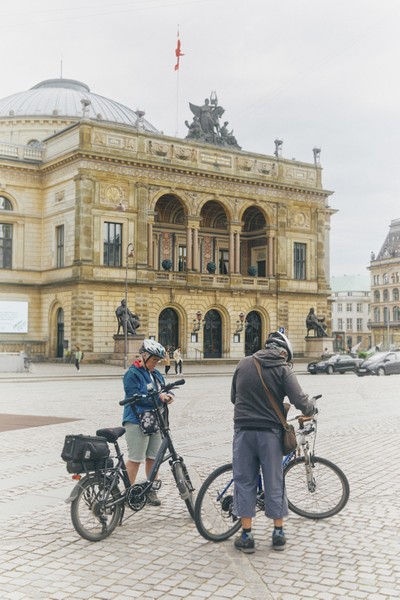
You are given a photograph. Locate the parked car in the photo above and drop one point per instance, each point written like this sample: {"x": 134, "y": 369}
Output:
{"x": 383, "y": 363}
{"x": 339, "y": 363}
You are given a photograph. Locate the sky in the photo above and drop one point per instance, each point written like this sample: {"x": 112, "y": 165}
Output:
{"x": 314, "y": 73}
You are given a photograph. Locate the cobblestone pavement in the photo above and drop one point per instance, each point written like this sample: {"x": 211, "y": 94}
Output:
{"x": 157, "y": 553}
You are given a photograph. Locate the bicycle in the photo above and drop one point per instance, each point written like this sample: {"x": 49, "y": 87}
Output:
{"x": 97, "y": 501}
{"x": 316, "y": 488}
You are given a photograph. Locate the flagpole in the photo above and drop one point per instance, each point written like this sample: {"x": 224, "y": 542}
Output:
{"x": 177, "y": 103}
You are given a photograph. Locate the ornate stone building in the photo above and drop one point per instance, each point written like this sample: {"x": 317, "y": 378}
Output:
{"x": 385, "y": 291}
{"x": 83, "y": 179}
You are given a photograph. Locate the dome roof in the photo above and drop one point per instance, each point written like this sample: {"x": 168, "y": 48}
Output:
{"x": 69, "y": 99}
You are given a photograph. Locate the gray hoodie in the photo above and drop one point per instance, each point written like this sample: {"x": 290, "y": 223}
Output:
{"x": 253, "y": 410}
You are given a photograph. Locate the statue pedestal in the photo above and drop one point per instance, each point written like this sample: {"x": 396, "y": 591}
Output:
{"x": 316, "y": 346}
{"x": 133, "y": 345}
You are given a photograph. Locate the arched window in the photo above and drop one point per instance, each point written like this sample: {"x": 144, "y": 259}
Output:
{"x": 396, "y": 313}
{"x": 34, "y": 144}
{"x": 5, "y": 204}
{"x": 377, "y": 315}
{"x": 168, "y": 328}
{"x": 385, "y": 295}
{"x": 396, "y": 294}
{"x": 385, "y": 278}
{"x": 377, "y": 296}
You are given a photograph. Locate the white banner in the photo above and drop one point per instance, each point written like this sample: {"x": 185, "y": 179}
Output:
{"x": 13, "y": 317}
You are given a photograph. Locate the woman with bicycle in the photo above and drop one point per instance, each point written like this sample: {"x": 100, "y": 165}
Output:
{"x": 140, "y": 378}
{"x": 257, "y": 440}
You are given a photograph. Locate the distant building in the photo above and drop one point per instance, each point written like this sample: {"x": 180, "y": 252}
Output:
{"x": 385, "y": 290}
{"x": 228, "y": 245}
{"x": 351, "y": 299}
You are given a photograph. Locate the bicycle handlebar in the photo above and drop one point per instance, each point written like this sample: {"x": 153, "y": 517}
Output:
{"x": 164, "y": 390}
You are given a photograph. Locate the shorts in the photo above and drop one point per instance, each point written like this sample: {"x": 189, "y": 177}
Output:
{"x": 141, "y": 446}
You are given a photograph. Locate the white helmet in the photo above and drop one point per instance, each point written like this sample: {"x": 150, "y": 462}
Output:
{"x": 281, "y": 340}
{"x": 153, "y": 348}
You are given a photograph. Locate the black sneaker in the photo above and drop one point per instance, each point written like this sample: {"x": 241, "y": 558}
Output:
{"x": 245, "y": 543}
{"x": 153, "y": 499}
{"x": 278, "y": 539}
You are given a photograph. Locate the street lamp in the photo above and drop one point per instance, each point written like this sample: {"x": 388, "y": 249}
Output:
{"x": 129, "y": 254}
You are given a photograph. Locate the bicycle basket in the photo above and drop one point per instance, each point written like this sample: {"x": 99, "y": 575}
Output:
{"x": 90, "y": 465}
{"x": 78, "y": 448}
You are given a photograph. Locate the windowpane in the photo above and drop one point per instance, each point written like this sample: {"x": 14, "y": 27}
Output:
{"x": 5, "y": 204}
{"x": 60, "y": 245}
{"x": 5, "y": 246}
{"x": 182, "y": 258}
{"x": 223, "y": 262}
{"x": 299, "y": 260}
{"x": 112, "y": 244}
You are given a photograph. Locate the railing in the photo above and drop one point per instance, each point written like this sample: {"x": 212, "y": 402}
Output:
{"x": 21, "y": 152}
{"x": 198, "y": 352}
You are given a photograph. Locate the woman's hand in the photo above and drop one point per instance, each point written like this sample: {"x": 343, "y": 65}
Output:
{"x": 167, "y": 398}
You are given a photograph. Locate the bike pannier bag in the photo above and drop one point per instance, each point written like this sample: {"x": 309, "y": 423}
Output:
{"x": 78, "y": 448}
{"x": 89, "y": 466}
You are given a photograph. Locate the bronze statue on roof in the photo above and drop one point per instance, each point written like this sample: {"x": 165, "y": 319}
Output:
{"x": 205, "y": 126}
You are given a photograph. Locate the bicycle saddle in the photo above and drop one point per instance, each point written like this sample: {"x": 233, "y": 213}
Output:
{"x": 111, "y": 433}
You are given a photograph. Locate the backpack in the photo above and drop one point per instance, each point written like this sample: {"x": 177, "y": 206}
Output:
{"x": 83, "y": 354}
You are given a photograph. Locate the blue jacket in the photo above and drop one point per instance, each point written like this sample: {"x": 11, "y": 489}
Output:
{"x": 135, "y": 381}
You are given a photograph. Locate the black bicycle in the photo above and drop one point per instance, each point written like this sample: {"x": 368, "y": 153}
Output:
{"x": 316, "y": 488}
{"x": 99, "y": 498}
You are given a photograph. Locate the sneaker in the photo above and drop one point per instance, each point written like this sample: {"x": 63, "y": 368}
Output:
{"x": 278, "y": 539}
{"x": 245, "y": 543}
{"x": 153, "y": 499}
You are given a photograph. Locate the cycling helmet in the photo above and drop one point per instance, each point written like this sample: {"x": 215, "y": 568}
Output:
{"x": 153, "y": 348}
{"x": 281, "y": 340}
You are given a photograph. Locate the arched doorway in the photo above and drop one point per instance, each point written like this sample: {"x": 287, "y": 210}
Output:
{"x": 168, "y": 328}
{"x": 253, "y": 337}
{"x": 60, "y": 333}
{"x": 213, "y": 335}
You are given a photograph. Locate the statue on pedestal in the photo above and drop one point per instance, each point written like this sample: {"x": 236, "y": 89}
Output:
{"x": 132, "y": 321}
{"x": 315, "y": 324}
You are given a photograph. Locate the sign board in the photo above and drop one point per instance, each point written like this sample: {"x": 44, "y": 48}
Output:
{"x": 281, "y": 330}
{"x": 13, "y": 317}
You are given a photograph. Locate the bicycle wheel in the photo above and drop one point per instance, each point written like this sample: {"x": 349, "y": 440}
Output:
{"x": 214, "y": 503}
{"x": 324, "y": 496}
{"x": 93, "y": 512}
{"x": 184, "y": 485}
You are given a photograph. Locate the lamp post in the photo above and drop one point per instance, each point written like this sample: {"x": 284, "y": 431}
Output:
{"x": 129, "y": 254}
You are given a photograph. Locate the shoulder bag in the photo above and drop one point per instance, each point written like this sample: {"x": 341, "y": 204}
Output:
{"x": 289, "y": 433}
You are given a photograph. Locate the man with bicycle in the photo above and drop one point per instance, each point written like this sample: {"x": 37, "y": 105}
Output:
{"x": 257, "y": 441}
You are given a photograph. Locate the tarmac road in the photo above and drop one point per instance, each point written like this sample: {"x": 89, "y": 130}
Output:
{"x": 158, "y": 553}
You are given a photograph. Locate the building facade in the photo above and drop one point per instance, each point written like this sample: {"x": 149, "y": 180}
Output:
{"x": 351, "y": 306}
{"x": 385, "y": 291}
{"x": 228, "y": 245}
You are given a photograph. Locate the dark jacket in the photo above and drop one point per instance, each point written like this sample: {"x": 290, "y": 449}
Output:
{"x": 252, "y": 408}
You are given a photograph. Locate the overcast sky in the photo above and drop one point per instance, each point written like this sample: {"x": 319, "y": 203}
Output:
{"x": 319, "y": 73}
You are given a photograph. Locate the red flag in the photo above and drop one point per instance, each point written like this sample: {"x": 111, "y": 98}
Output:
{"x": 178, "y": 52}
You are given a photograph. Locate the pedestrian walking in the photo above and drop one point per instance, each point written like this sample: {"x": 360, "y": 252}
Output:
{"x": 167, "y": 361}
{"x": 258, "y": 435}
{"x": 78, "y": 357}
{"x": 178, "y": 360}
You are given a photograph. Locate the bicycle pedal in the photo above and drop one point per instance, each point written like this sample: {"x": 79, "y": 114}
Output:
{"x": 156, "y": 484}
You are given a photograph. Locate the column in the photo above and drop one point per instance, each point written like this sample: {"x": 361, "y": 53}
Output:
{"x": 237, "y": 252}
{"x": 232, "y": 262}
{"x": 150, "y": 247}
{"x": 196, "y": 264}
{"x": 84, "y": 192}
{"x": 189, "y": 264}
